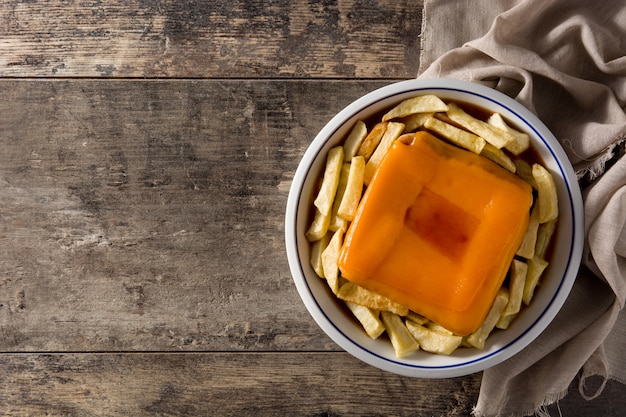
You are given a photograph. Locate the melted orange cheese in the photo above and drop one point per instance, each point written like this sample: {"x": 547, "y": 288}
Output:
{"x": 436, "y": 231}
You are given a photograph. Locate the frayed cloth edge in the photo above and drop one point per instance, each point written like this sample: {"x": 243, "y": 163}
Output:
{"x": 539, "y": 410}
{"x": 605, "y": 379}
{"x": 550, "y": 399}
{"x": 422, "y": 65}
{"x": 593, "y": 168}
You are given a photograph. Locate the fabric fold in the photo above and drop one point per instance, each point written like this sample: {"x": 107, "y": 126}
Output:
{"x": 565, "y": 60}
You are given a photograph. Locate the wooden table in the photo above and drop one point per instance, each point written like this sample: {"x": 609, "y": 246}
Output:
{"x": 147, "y": 149}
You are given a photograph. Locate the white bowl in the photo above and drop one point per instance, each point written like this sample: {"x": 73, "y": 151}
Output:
{"x": 501, "y": 345}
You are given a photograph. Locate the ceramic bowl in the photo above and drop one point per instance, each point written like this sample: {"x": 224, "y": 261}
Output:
{"x": 556, "y": 282}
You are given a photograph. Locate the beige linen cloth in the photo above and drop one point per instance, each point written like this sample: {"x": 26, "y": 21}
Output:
{"x": 566, "y": 61}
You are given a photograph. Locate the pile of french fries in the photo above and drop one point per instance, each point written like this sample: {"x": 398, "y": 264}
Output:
{"x": 350, "y": 167}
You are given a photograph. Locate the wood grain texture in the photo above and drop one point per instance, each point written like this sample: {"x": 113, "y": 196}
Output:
{"x": 221, "y": 384}
{"x": 242, "y": 384}
{"x": 148, "y": 215}
{"x": 210, "y": 39}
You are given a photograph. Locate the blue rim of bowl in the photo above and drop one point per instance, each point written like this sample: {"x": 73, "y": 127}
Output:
{"x": 573, "y": 255}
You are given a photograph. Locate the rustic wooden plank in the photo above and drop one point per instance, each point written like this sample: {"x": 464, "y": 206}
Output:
{"x": 224, "y": 384}
{"x": 210, "y": 39}
{"x": 236, "y": 384}
{"x": 148, "y": 215}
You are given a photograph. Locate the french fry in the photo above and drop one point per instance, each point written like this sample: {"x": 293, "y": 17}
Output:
{"x": 446, "y": 119}
{"x": 521, "y": 141}
{"x": 319, "y": 226}
{"x": 527, "y": 247}
{"x": 326, "y": 195}
{"x": 547, "y": 195}
{"x": 517, "y": 279}
{"x": 359, "y": 295}
{"x": 437, "y": 328}
{"x": 421, "y": 104}
{"x": 544, "y": 237}
{"x": 354, "y": 189}
{"x": 369, "y": 319}
{"x": 394, "y": 130}
{"x": 466, "y": 344}
{"x": 337, "y": 222}
{"x": 499, "y": 157}
{"x": 353, "y": 141}
{"x": 401, "y": 339}
{"x": 459, "y": 137}
{"x": 432, "y": 340}
{"x": 524, "y": 171}
{"x": 505, "y": 321}
{"x": 536, "y": 266}
{"x": 330, "y": 256}
{"x": 519, "y": 271}
{"x": 416, "y": 318}
{"x": 497, "y": 137}
{"x": 316, "y": 254}
{"x": 371, "y": 141}
{"x": 479, "y": 337}
{"x": 414, "y": 121}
